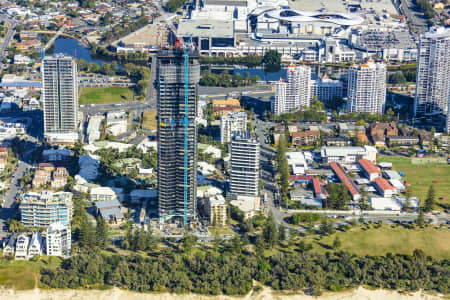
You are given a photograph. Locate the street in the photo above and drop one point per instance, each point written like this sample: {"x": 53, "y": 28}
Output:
{"x": 11, "y": 31}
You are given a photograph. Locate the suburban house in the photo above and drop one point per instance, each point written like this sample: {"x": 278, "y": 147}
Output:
{"x": 304, "y": 137}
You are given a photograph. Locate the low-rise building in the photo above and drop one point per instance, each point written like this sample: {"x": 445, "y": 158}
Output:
{"x": 403, "y": 141}
{"x": 351, "y": 130}
{"x": 58, "y": 240}
{"x": 22, "y": 247}
{"x": 348, "y": 155}
{"x": 384, "y": 188}
{"x": 41, "y": 178}
{"x": 216, "y": 210}
{"x": 105, "y": 193}
{"x": 305, "y": 197}
{"x": 36, "y": 243}
{"x": 9, "y": 245}
{"x": 248, "y": 204}
{"x": 110, "y": 211}
{"x": 391, "y": 174}
{"x": 379, "y": 132}
{"x": 304, "y": 137}
{"x": 224, "y": 107}
{"x": 347, "y": 180}
{"x": 3, "y": 158}
{"x": 319, "y": 189}
{"x": 338, "y": 141}
{"x": 369, "y": 170}
{"x": 297, "y": 162}
{"x": 56, "y": 155}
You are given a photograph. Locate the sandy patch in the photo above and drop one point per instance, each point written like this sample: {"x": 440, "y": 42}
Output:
{"x": 266, "y": 294}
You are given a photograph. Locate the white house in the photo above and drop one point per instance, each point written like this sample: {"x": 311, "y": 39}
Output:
{"x": 22, "y": 247}
{"x": 35, "y": 247}
{"x": 297, "y": 162}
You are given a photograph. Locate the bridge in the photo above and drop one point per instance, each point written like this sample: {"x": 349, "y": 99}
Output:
{"x": 53, "y": 39}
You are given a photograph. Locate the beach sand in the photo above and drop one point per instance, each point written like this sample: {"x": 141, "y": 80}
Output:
{"x": 264, "y": 294}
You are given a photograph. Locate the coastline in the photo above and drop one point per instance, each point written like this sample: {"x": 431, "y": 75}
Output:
{"x": 360, "y": 293}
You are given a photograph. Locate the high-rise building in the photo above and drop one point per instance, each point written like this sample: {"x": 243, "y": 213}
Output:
{"x": 278, "y": 103}
{"x": 172, "y": 93}
{"x": 433, "y": 72}
{"x": 41, "y": 210}
{"x": 232, "y": 124}
{"x": 367, "y": 87}
{"x": 58, "y": 240}
{"x": 60, "y": 98}
{"x": 244, "y": 165}
{"x": 295, "y": 92}
{"x": 326, "y": 89}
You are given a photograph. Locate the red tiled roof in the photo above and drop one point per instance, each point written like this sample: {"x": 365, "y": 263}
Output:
{"x": 383, "y": 184}
{"x": 319, "y": 187}
{"x": 368, "y": 166}
{"x": 3, "y": 149}
{"x": 344, "y": 178}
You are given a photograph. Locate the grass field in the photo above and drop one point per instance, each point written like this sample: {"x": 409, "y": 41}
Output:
{"x": 420, "y": 177}
{"x": 104, "y": 95}
{"x": 386, "y": 239}
{"x": 23, "y": 275}
{"x": 149, "y": 120}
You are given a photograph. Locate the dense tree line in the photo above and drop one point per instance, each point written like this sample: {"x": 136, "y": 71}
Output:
{"x": 283, "y": 167}
{"x": 174, "y": 5}
{"x": 230, "y": 271}
{"x": 248, "y": 61}
{"x": 225, "y": 79}
{"x": 135, "y": 57}
{"x": 308, "y": 115}
{"x": 401, "y": 77}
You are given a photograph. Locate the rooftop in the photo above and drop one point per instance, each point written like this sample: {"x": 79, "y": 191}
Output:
{"x": 383, "y": 184}
{"x": 368, "y": 166}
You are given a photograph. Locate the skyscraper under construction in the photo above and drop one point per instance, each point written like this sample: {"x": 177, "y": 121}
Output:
{"x": 177, "y": 133}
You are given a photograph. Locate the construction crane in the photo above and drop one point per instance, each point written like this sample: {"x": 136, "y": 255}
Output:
{"x": 186, "y": 123}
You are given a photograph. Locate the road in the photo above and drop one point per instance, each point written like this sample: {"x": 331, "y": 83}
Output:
{"x": 11, "y": 31}
{"x": 8, "y": 209}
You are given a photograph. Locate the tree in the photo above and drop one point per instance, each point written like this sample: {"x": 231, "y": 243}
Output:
{"x": 15, "y": 226}
{"x": 86, "y": 237}
{"x": 397, "y": 78}
{"x": 281, "y": 233}
{"x": 364, "y": 200}
{"x": 270, "y": 232}
{"x": 429, "y": 201}
{"x": 420, "y": 221}
{"x": 188, "y": 241}
{"x": 101, "y": 233}
{"x": 272, "y": 58}
{"x": 336, "y": 243}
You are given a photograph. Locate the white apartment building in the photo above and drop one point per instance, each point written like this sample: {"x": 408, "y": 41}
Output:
{"x": 60, "y": 98}
{"x": 244, "y": 166}
{"x": 216, "y": 210}
{"x": 433, "y": 72}
{"x": 367, "y": 87}
{"x": 278, "y": 103}
{"x": 326, "y": 89}
{"x": 295, "y": 93}
{"x": 231, "y": 124}
{"x": 59, "y": 241}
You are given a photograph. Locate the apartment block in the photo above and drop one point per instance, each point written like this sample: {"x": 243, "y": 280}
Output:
{"x": 58, "y": 240}
{"x": 326, "y": 89}
{"x": 367, "y": 87}
{"x": 60, "y": 98}
{"x": 45, "y": 208}
{"x": 295, "y": 92}
{"x": 231, "y": 124}
{"x": 244, "y": 166}
{"x": 433, "y": 72}
{"x": 216, "y": 210}
{"x": 172, "y": 129}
